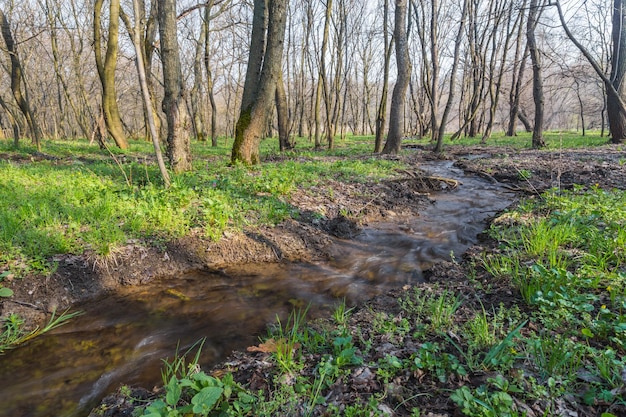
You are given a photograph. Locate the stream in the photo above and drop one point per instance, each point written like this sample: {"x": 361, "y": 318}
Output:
{"x": 122, "y": 338}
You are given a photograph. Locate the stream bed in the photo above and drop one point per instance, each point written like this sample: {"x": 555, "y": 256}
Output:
{"x": 122, "y": 338}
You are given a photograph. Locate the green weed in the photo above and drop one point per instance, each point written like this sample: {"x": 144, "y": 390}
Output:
{"x": 13, "y": 333}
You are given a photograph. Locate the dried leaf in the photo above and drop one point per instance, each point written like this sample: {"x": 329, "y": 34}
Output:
{"x": 269, "y": 346}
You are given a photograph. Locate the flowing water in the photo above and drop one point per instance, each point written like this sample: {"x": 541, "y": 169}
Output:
{"x": 122, "y": 338}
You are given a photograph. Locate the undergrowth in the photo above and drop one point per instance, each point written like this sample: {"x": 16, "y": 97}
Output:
{"x": 77, "y": 200}
{"x": 556, "y": 347}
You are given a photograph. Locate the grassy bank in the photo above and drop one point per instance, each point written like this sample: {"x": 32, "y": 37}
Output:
{"x": 535, "y": 325}
{"x": 79, "y": 199}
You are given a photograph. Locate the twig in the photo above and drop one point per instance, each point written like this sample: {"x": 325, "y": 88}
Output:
{"x": 25, "y": 304}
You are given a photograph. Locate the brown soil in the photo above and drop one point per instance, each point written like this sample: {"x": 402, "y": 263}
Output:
{"x": 349, "y": 206}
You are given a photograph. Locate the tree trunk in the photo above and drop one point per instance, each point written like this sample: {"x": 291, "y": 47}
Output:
{"x": 174, "y": 107}
{"x": 262, "y": 85}
{"x": 533, "y": 17}
{"x": 615, "y": 108}
{"x": 324, "y": 75}
{"x": 403, "y": 63}
{"x": 16, "y": 82}
{"x": 382, "y": 106}
{"x": 282, "y": 111}
{"x": 106, "y": 69}
{"x": 141, "y": 73}
{"x": 197, "y": 108}
{"x": 514, "y": 96}
{"x": 209, "y": 76}
{"x": 438, "y": 136}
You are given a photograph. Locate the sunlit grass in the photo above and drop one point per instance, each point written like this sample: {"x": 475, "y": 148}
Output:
{"x": 79, "y": 198}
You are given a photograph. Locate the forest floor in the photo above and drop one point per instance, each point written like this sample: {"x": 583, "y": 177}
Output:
{"x": 527, "y": 172}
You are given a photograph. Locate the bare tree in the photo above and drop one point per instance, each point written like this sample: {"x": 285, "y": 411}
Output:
{"x": 106, "y": 68}
{"x": 381, "y": 115}
{"x": 534, "y": 12}
{"x": 517, "y": 74}
{"x": 178, "y": 146}
{"x": 403, "y": 63}
{"x": 135, "y": 33}
{"x": 17, "y": 75}
{"x": 264, "y": 65}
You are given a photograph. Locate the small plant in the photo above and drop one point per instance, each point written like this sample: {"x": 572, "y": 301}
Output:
{"x": 481, "y": 333}
{"x": 556, "y": 356}
{"x": 442, "y": 310}
{"x": 4, "y": 291}
{"x": 491, "y": 400}
{"x": 524, "y": 174}
{"x": 341, "y": 314}
{"x": 394, "y": 327}
{"x": 287, "y": 339}
{"x": 13, "y": 332}
{"x": 190, "y": 391}
{"x": 430, "y": 358}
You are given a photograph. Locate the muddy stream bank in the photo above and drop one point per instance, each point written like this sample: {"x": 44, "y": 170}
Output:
{"x": 123, "y": 336}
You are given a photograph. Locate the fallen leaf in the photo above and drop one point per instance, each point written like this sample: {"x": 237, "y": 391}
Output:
{"x": 268, "y": 347}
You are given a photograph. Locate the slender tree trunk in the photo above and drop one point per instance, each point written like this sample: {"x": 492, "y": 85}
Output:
{"x": 533, "y": 17}
{"x": 514, "y": 96}
{"x": 255, "y": 108}
{"x": 446, "y": 111}
{"x": 209, "y": 75}
{"x": 196, "y": 91}
{"x": 403, "y": 63}
{"x": 616, "y": 94}
{"x": 141, "y": 73}
{"x": 16, "y": 81}
{"x": 615, "y": 85}
{"x": 106, "y": 69}
{"x": 178, "y": 146}
{"x": 381, "y": 114}
{"x": 282, "y": 111}
{"x": 51, "y": 15}
{"x": 324, "y": 75}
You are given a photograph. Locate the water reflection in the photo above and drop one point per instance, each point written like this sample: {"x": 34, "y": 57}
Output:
{"x": 123, "y": 337}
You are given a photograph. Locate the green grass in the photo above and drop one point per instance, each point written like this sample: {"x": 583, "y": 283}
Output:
{"x": 553, "y": 139}
{"x": 13, "y": 332}
{"x": 563, "y": 339}
{"x": 82, "y": 200}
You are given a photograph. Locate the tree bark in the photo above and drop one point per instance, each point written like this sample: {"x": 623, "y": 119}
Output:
{"x": 178, "y": 146}
{"x": 403, "y": 63}
{"x": 615, "y": 95}
{"x": 260, "y": 82}
{"x": 614, "y": 85}
{"x": 282, "y": 111}
{"x": 533, "y": 17}
{"x": 16, "y": 82}
{"x": 197, "y": 107}
{"x": 141, "y": 73}
{"x": 382, "y": 106}
{"x": 106, "y": 69}
{"x": 324, "y": 75}
{"x": 209, "y": 76}
{"x": 438, "y": 136}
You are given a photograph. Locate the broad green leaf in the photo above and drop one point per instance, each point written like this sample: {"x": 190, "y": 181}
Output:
{"x": 156, "y": 409}
{"x": 174, "y": 391}
{"x": 205, "y": 400}
{"x": 6, "y": 292}
{"x": 586, "y": 332}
